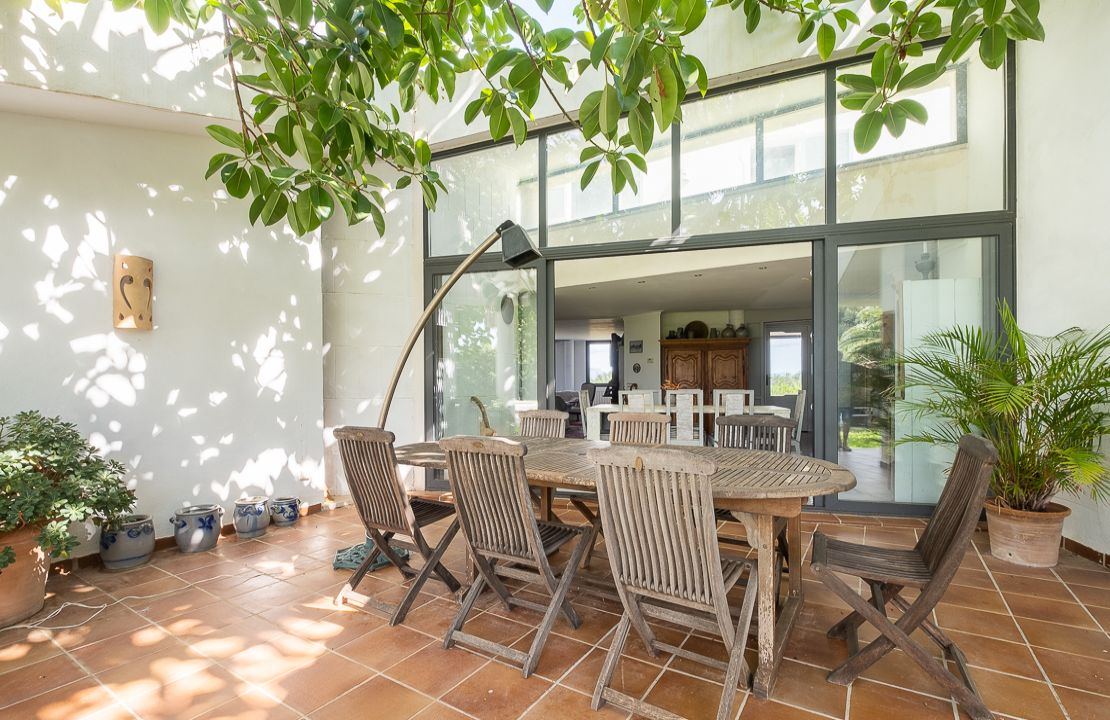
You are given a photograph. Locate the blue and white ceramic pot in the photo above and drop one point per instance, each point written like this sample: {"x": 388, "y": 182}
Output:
{"x": 197, "y": 527}
{"x": 252, "y": 516}
{"x": 127, "y": 544}
{"x": 285, "y": 510}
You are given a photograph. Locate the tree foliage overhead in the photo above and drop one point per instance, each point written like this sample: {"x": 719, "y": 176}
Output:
{"x": 323, "y": 86}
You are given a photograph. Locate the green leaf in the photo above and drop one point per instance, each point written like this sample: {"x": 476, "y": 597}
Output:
{"x": 920, "y": 76}
{"x": 641, "y": 127}
{"x": 663, "y": 94}
{"x": 859, "y": 83}
{"x": 218, "y": 161}
{"x": 308, "y": 145}
{"x": 226, "y": 136}
{"x": 992, "y": 47}
{"x": 545, "y": 5}
{"x": 588, "y": 174}
{"x": 498, "y": 121}
{"x": 879, "y": 5}
{"x": 601, "y": 45}
{"x": 826, "y": 41}
{"x": 992, "y": 10}
{"x": 879, "y": 65}
{"x": 914, "y": 110}
{"x": 894, "y": 118}
{"x": 690, "y": 14}
{"x": 867, "y": 131}
{"x": 499, "y": 60}
{"x": 239, "y": 184}
{"x": 609, "y": 111}
{"x": 519, "y": 125}
{"x": 472, "y": 110}
{"x": 158, "y": 13}
{"x": 423, "y": 152}
{"x": 751, "y": 19}
{"x": 929, "y": 26}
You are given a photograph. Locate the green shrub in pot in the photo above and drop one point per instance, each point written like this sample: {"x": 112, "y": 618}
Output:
{"x": 1045, "y": 404}
{"x": 50, "y": 476}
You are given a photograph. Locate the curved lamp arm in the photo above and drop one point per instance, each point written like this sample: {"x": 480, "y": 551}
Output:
{"x": 519, "y": 251}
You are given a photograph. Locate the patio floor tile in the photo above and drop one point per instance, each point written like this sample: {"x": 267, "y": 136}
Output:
{"x": 250, "y": 631}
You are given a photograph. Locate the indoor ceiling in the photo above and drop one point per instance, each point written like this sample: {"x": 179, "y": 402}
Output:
{"x": 783, "y": 283}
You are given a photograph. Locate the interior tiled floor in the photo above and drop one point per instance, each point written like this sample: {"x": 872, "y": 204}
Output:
{"x": 249, "y": 631}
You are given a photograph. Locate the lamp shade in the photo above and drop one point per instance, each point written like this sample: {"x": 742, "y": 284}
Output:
{"x": 517, "y": 249}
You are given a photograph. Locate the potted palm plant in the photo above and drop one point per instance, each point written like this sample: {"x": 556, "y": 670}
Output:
{"x": 50, "y": 476}
{"x": 1045, "y": 404}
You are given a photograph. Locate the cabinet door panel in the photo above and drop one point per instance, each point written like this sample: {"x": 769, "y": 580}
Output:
{"x": 726, "y": 369}
{"x": 684, "y": 368}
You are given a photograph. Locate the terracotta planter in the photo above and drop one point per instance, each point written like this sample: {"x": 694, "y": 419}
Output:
{"x": 23, "y": 583}
{"x": 1026, "y": 538}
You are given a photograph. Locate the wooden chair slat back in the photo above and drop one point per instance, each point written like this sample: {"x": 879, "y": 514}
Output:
{"x": 370, "y": 466}
{"x": 799, "y": 413}
{"x": 636, "y": 400}
{"x": 638, "y": 429}
{"x": 732, "y": 402}
{"x": 543, "y": 423}
{"x": 755, "y": 432}
{"x": 491, "y": 495}
{"x": 656, "y": 509}
{"x": 956, "y": 514}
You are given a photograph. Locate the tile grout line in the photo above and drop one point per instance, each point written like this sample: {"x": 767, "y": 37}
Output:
{"x": 1105, "y": 631}
{"x": 1036, "y": 660}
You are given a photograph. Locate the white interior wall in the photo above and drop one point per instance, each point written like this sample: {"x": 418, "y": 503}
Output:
{"x": 1063, "y": 244}
{"x": 223, "y": 398}
{"x": 645, "y": 327}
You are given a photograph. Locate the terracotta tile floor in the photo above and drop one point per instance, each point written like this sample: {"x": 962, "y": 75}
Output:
{"x": 248, "y": 631}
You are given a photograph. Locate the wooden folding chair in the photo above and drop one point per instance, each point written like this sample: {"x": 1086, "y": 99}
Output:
{"x": 389, "y": 517}
{"x": 657, "y": 509}
{"x": 929, "y": 567}
{"x": 505, "y": 539}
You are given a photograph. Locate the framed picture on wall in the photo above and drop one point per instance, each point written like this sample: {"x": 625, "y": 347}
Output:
{"x": 635, "y": 346}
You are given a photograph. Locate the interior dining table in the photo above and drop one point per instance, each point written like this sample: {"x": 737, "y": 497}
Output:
{"x": 758, "y": 487}
{"x": 596, "y": 412}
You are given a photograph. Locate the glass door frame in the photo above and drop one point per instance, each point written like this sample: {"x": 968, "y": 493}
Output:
{"x": 998, "y": 257}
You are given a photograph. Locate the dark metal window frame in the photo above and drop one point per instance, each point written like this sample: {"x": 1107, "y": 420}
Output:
{"x": 826, "y": 240}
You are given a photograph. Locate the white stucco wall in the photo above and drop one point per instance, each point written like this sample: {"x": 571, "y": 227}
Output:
{"x": 1063, "y": 241}
{"x": 372, "y": 294}
{"x": 223, "y": 398}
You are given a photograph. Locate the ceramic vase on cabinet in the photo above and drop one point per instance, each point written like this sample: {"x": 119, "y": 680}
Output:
{"x": 252, "y": 516}
{"x": 197, "y": 528}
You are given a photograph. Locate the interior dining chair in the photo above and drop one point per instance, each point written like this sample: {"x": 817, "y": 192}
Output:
{"x": 388, "y": 515}
{"x": 732, "y": 401}
{"x": 637, "y": 400}
{"x": 685, "y": 406}
{"x": 584, "y": 403}
{"x": 488, "y": 479}
{"x": 657, "y": 510}
{"x": 799, "y": 418}
{"x": 543, "y": 423}
{"x": 928, "y": 569}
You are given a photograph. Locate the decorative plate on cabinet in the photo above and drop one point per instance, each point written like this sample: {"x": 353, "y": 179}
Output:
{"x": 697, "y": 329}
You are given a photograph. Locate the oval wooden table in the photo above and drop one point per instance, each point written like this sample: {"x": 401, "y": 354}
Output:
{"x": 755, "y": 485}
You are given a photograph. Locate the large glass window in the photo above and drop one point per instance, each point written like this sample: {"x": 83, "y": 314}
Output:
{"x": 889, "y": 297}
{"x": 755, "y": 159}
{"x": 599, "y": 362}
{"x": 954, "y": 163}
{"x": 486, "y": 349}
{"x": 595, "y": 215}
{"x": 484, "y": 188}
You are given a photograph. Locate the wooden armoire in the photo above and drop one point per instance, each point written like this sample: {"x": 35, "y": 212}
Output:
{"x": 710, "y": 364}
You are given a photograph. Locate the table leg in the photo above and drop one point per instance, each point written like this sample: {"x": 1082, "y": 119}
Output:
{"x": 764, "y": 542}
{"x": 794, "y": 540}
{"x": 547, "y": 503}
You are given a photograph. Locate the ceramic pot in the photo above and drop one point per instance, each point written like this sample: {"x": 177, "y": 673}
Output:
{"x": 197, "y": 528}
{"x": 23, "y": 583}
{"x": 128, "y": 544}
{"x": 252, "y": 516}
{"x": 742, "y": 331}
{"x": 285, "y": 510}
{"x": 1026, "y": 538}
{"x": 729, "y": 331}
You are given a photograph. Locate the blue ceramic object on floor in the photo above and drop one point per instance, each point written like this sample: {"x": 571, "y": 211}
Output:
{"x": 197, "y": 527}
{"x": 285, "y": 510}
{"x": 252, "y": 516}
{"x": 127, "y": 544}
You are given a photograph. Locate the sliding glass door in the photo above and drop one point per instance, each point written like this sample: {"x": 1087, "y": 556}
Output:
{"x": 485, "y": 345}
{"x": 888, "y": 296}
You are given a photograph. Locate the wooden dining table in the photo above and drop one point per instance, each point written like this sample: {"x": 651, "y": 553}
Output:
{"x": 757, "y": 486}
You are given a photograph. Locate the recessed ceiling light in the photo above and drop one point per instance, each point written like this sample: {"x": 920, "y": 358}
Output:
{"x": 592, "y": 287}
{"x": 641, "y": 282}
{"x": 762, "y": 267}
{"x": 697, "y": 274}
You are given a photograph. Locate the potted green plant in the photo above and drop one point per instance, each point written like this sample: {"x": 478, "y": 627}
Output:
{"x": 1045, "y": 404}
{"x": 50, "y": 476}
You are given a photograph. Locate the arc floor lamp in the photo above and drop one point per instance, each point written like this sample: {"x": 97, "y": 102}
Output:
{"x": 517, "y": 250}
